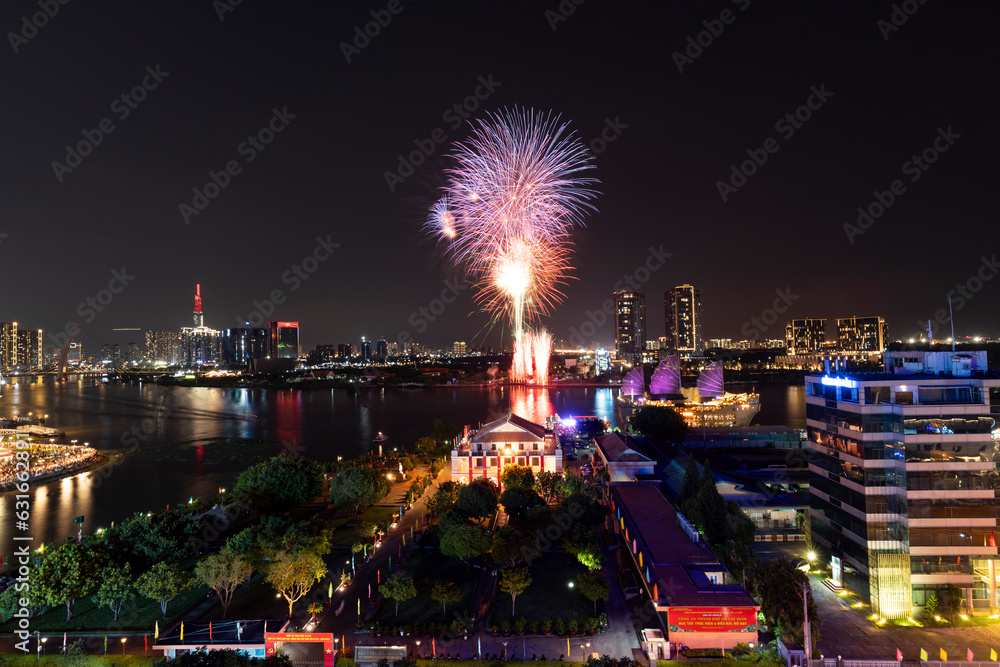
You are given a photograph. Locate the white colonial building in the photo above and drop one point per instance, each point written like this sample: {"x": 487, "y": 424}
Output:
{"x": 510, "y": 439}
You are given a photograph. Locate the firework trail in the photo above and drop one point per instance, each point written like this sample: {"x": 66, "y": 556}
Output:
{"x": 514, "y": 195}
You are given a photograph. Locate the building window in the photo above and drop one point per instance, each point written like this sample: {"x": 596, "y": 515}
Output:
{"x": 535, "y": 461}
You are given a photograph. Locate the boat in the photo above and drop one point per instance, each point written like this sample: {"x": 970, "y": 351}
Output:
{"x": 380, "y": 440}
{"x": 707, "y": 404}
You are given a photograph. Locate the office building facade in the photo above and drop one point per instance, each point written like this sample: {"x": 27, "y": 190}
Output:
{"x": 862, "y": 334}
{"x": 630, "y": 326}
{"x": 241, "y": 344}
{"x": 904, "y": 479}
{"x": 805, "y": 335}
{"x": 682, "y": 309}
{"x": 284, "y": 340}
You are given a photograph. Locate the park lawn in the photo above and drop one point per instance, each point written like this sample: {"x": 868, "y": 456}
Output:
{"x": 721, "y": 662}
{"x": 549, "y": 595}
{"x": 254, "y": 600}
{"x": 426, "y": 566}
{"x": 87, "y": 615}
{"x": 29, "y": 660}
{"x": 378, "y": 514}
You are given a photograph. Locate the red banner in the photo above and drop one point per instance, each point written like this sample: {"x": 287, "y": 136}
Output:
{"x": 712, "y": 619}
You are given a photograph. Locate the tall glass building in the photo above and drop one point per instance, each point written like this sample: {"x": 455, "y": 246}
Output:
{"x": 630, "y": 326}
{"x": 682, "y": 313}
{"x": 904, "y": 480}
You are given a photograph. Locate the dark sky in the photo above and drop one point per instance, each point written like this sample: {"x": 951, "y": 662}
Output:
{"x": 324, "y": 174}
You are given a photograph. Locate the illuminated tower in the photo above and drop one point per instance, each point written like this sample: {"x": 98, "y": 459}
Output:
{"x": 199, "y": 319}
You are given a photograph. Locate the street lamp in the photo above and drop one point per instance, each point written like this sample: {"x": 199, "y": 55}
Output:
{"x": 505, "y": 650}
{"x": 123, "y": 646}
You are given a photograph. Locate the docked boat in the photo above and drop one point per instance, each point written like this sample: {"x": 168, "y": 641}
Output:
{"x": 707, "y": 404}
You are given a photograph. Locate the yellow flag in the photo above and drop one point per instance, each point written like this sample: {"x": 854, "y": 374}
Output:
{"x": 923, "y": 654}
{"x": 993, "y": 654}
{"x": 944, "y": 654}
{"x": 156, "y": 630}
{"x": 182, "y": 630}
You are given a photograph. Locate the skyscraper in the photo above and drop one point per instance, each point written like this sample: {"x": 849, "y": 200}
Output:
{"x": 345, "y": 351}
{"x": 381, "y": 350}
{"x": 630, "y": 326}
{"x": 805, "y": 335}
{"x": 8, "y": 345}
{"x": 284, "y": 340}
{"x": 366, "y": 350}
{"x": 199, "y": 319}
{"x": 682, "y": 309}
{"x": 862, "y": 334}
{"x": 242, "y": 344}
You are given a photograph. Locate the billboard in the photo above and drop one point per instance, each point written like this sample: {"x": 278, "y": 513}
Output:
{"x": 712, "y": 619}
{"x": 275, "y": 640}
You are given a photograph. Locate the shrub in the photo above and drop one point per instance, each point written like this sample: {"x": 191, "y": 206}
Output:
{"x": 702, "y": 653}
{"x": 546, "y": 625}
{"x": 590, "y": 625}
{"x": 572, "y": 626}
{"x": 560, "y": 626}
{"x": 505, "y": 625}
{"x": 533, "y": 627}
{"x": 520, "y": 622}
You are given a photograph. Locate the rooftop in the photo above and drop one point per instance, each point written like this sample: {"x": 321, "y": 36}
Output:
{"x": 681, "y": 564}
{"x": 620, "y": 450}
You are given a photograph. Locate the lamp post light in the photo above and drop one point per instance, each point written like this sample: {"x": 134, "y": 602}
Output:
{"x": 123, "y": 646}
{"x": 504, "y": 650}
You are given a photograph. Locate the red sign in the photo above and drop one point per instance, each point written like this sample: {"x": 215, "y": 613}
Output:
{"x": 272, "y": 638}
{"x": 712, "y": 619}
{"x": 288, "y": 325}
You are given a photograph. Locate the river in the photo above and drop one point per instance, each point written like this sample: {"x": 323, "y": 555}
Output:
{"x": 157, "y": 425}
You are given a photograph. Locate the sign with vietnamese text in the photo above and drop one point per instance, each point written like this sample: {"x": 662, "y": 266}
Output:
{"x": 712, "y": 619}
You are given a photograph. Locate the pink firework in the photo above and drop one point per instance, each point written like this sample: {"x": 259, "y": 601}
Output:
{"x": 514, "y": 195}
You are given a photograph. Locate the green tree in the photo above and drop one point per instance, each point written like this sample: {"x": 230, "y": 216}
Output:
{"x": 116, "y": 586}
{"x": 514, "y": 475}
{"x": 427, "y": 445}
{"x": 464, "y": 541}
{"x": 279, "y": 483}
{"x": 514, "y": 580}
{"x": 594, "y": 586}
{"x": 478, "y": 498}
{"x": 585, "y": 509}
{"x": 570, "y": 484}
{"x": 292, "y": 574}
{"x": 10, "y": 602}
{"x": 150, "y": 538}
{"x": 444, "y": 592}
{"x": 358, "y": 488}
{"x": 510, "y": 546}
{"x": 778, "y": 583}
{"x": 517, "y": 500}
{"x": 407, "y": 463}
{"x": 659, "y": 422}
{"x": 931, "y": 606}
{"x": 398, "y": 588}
{"x": 163, "y": 582}
{"x": 223, "y": 571}
{"x": 444, "y": 498}
{"x": 691, "y": 483}
{"x": 68, "y": 573}
{"x": 582, "y": 543}
{"x": 547, "y": 484}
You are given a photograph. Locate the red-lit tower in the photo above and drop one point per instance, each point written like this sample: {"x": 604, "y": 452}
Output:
{"x": 199, "y": 319}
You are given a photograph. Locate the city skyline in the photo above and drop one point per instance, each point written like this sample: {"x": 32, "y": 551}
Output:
{"x": 307, "y": 169}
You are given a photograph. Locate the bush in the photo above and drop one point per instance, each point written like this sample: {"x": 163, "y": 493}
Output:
{"x": 560, "y": 626}
{"x": 572, "y": 626}
{"x": 505, "y": 625}
{"x": 546, "y": 625}
{"x": 702, "y": 653}
{"x": 520, "y": 623}
{"x": 533, "y": 627}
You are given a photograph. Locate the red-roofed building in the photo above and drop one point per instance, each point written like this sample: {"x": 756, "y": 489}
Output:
{"x": 618, "y": 456}
{"x": 510, "y": 439}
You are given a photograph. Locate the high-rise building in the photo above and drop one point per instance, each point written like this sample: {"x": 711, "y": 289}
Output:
{"x": 284, "y": 340}
{"x": 199, "y": 345}
{"x": 459, "y": 348}
{"x": 160, "y": 346}
{"x": 323, "y": 354}
{"x": 805, "y": 335}
{"x": 721, "y": 343}
{"x": 381, "y": 350}
{"x": 8, "y": 345}
{"x": 345, "y": 351}
{"x": 134, "y": 353}
{"x": 630, "y": 326}
{"x": 682, "y": 307}
{"x": 366, "y": 350}
{"x": 29, "y": 349}
{"x": 241, "y": 344}
{"x": 903, "y": 479}
{"x": 862, "y": 334}
{"x": 199, "y": 318}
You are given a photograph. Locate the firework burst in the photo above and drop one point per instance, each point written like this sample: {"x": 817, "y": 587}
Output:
{"x": 515, "y": 193}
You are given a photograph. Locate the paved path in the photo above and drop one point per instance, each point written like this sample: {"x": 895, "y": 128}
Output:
{"x": 846, "y": 632}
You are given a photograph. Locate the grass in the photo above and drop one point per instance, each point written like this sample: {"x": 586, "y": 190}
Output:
{"x": 28, "y": 660}
{"x": 549, "y": 595}
{"x": 379, "y": 514}
{"x": 426, "y": 566}
{"x": 723, "y": 662}
{"x": 88, "y": 616}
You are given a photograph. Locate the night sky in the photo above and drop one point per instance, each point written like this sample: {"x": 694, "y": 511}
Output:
{"x": 887, "y": 93}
